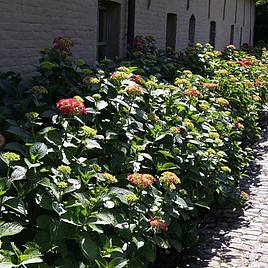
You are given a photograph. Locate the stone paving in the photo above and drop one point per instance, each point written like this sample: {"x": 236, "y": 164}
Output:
{"x": 233, "y": 239}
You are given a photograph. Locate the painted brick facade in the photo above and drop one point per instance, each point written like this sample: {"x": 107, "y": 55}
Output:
{"x": 152, "y": 20}
{"x": 27, "y": 26}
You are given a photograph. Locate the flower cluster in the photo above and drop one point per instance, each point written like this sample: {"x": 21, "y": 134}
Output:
{"x": 135, "y": 90}
{"x": 10, "y": 157}
{"x": 88, "y": 132}
{"x": 32, "y": 116}
{"x": 153, "y": 117}
{"x": 175, "y": 130}
{"x": 245, "y": 62}
{"x": 119, "y": 76}
{"x": 256, "y": 97}
{"x": 110, "y": 179}
{"x": 64, "y": 169}
{"x": 239, "y": 125}
{"x": 138, "y": 43}
{"x": 62, "y": 185}
{"x": 63, "y": 43}
{"x": 210, "y": 85}
{"x": 244, "y": 196}
{"x": 188, "y": 123}
{"x": 71, "y": 107}
{"x": 131, "y": 198}
{"x": 169, "y": 180}
{"x": 214, "y": 135}
{"x": 181, "y": 81}
{"x": 137, "y": 79}
{"x": 39, "y": 90}
{"x": 232, "y": 47}
{"x": 159, "y": 224}
{"x": 192, "y": 92}
{"x": 226, "y": 169}
{"x": 222, "y": 101}
{"x": 2, "y": 140}
{"x": 204, "y": 106}
{"x": 90, "y": 80}
{"x": 141, "y": 180}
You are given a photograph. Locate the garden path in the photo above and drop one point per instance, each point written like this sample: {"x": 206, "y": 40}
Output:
{"x": 234, "y": 239}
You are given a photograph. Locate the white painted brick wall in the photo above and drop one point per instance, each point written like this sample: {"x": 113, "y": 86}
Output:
{"x": 153, "y": 20}
{"x": 27, "y": 26}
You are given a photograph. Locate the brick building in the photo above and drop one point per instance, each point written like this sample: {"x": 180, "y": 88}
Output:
{"x": 103, "y": 27}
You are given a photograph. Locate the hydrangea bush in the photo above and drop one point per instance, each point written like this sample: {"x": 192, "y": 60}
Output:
{"x": 100, "y": 167}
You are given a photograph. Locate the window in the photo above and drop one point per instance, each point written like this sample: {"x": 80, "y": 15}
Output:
{"x": 171, "y": 31}
{"x": 212, "y": 34}
{"x": 192, "y": 30}
{"x": 131, "y": 21}
{"x": 224, "y": 10}
{"x": 108, "y": 29}
{"x": 188, "y": 4}
{"x": 232, "y": 35}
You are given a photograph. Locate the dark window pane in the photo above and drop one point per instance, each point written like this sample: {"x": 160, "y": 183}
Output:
{"x": 171, "y": 31}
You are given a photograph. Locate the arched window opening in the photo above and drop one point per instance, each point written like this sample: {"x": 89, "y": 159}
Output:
{"x": 171, "y": 31}
{"x": 192, "y": 30}
{"x": 232, "y": 35}
{"x": 108, "y": 29}
{"x": 188, "y": 4}
{"x": 212, "y": 34}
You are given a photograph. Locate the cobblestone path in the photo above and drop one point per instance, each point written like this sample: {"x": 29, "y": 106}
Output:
{"x": 233, "y": 239}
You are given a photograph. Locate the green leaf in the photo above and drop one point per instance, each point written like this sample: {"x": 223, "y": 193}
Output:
{"x": 118, "y": 263}
{"x": 91, "y": 144}
{"x": 58, "y": 207}
{"x": 16, "y": 204}
{"x": 39, "y": 150}
{"x": 15, "y": 146}
{"x": 100, "y": 105}
{"x": 20, "y": 133}
{"x": 19, "y": 173}
{"x": 89, "y": 247}
{"x": 166, "y": 153}
{"x": 179, "y": 201}
{"x": 28, "y": 259}
{"x": 176, "y": 244}
{"x": 105, "y": 218}
{"x": 47, "y": 65}
{"x": 10, "y": 228}
{"x": 167, "y": 166}
{"x": 149, "y": 251}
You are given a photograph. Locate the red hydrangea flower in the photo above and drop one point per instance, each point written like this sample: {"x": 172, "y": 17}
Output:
{"x": 245, "y": 62}
{"x": 2, "y": 140}
{"x": 159, "y": 224}
{"x": 210, "y": 85}
{"x": 141, "y": 180}
{"x": 138, "y": 43}
{"x": 192, "y": 92}
{"x": 71, "y": 107}
{"x": 137, "y": 79}
{"x": 239, "y": 125}
{"x": 63, "y": 43}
